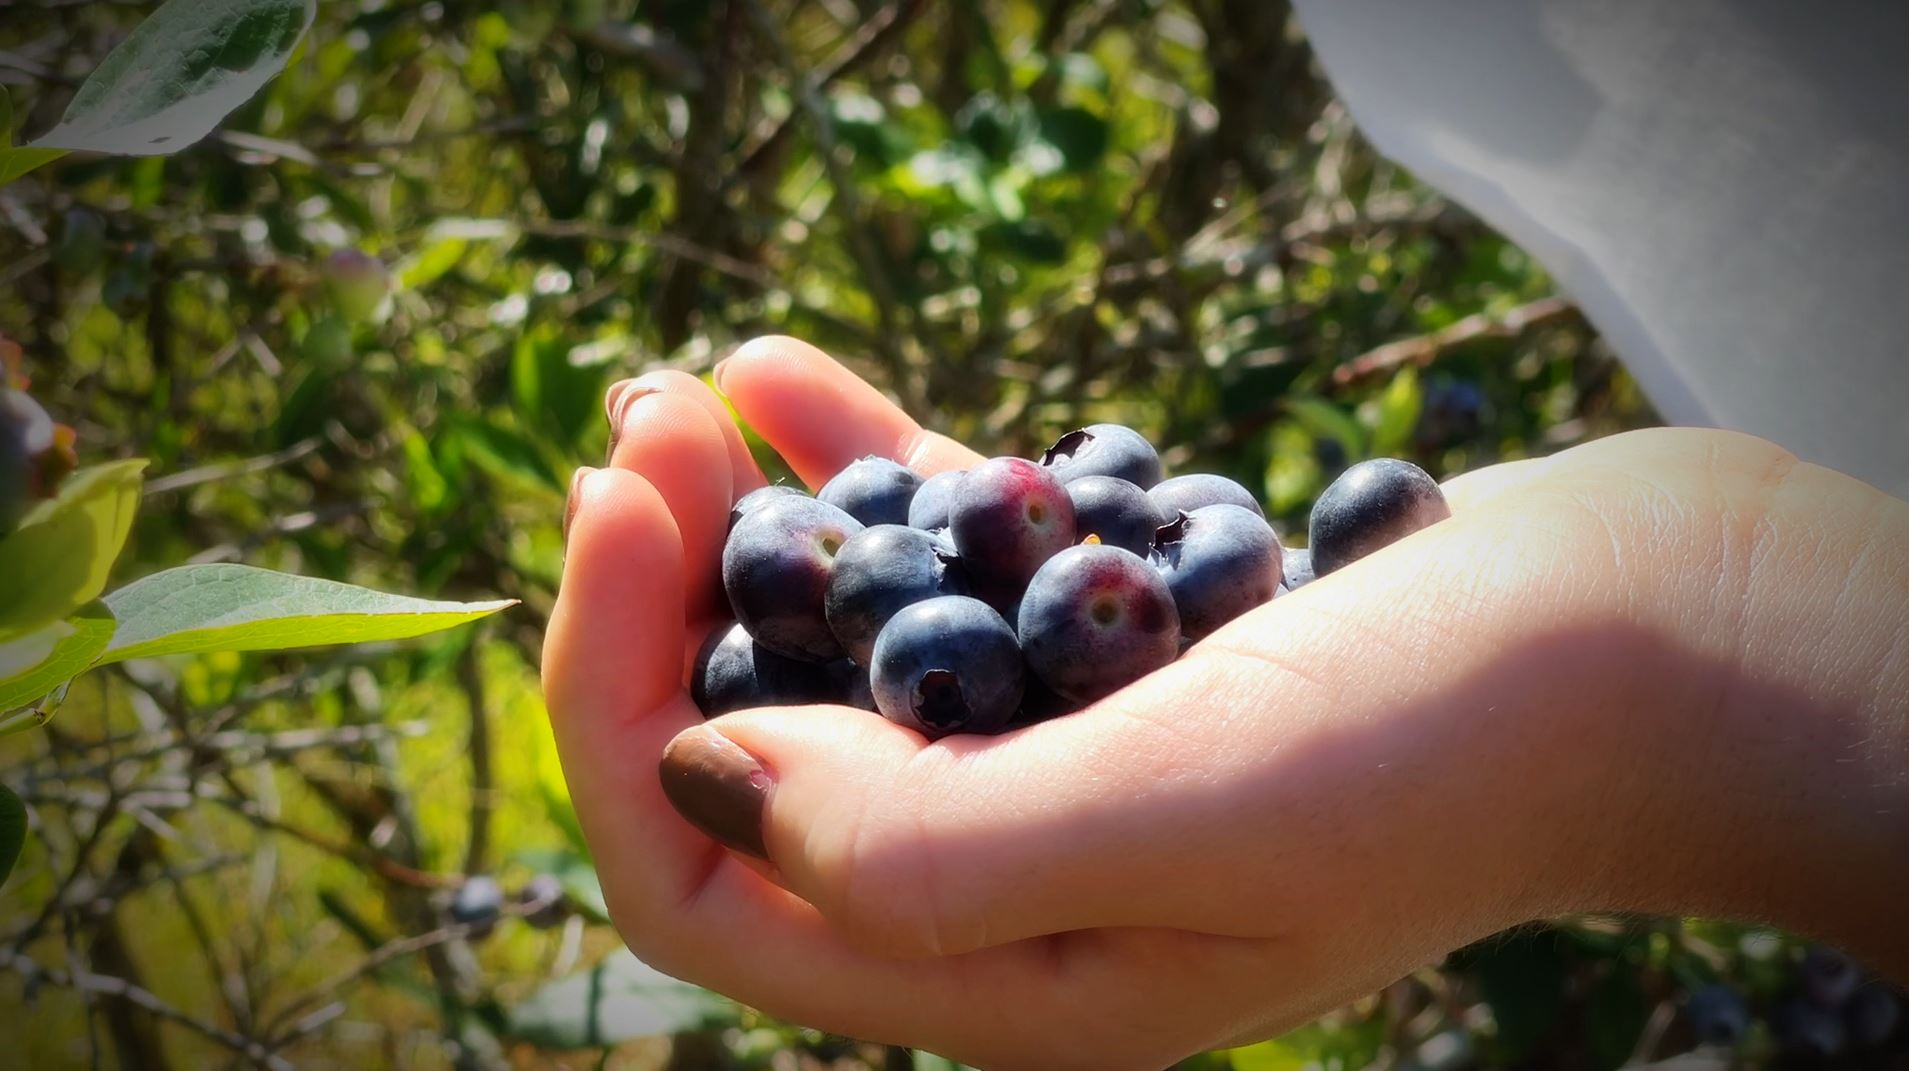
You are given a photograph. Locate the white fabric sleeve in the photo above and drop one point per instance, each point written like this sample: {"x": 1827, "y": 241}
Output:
{"x": 1721, "y": 185}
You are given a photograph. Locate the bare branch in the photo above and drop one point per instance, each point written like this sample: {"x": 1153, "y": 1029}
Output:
{"x": 1423, "y": 348}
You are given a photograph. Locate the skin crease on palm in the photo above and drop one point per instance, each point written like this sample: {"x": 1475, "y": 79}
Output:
{"x": 1663, "y": 672}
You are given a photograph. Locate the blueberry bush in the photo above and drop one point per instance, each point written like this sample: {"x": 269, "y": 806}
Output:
{"x": 350, "y": 279}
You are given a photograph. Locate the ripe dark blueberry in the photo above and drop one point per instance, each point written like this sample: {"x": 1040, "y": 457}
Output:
{"x": 1219, "y": 562}
{"x": 1374, "y": 504}
{"x": 852, "y": 688}
{"x": 873, "y": 490}
{"x": 477, "y": 904}
{"x": 1095, "y": 619}
{"x": 1008, "y": 517}
{"x": 1829, "y": 978}
{"x": 1296, "y": 568}
{"x": 1807, "y": 1031}
{"x": 759, "y": 498}
{"x": 776, "y": 568}
{"x": 1104, "y": 450}
{"x": 734, "y": 672}
{"x": 1718, "y": 1016}
{"x": 1118, "y": 512}
{"x": 880, "y": 570}
{"x": 1871, "y": 1016}
{"x": 1184, "y": 494}
{"x": 933, "y": 498}
{"x": 543, "y": 900}
{"x": 948, "y": 665}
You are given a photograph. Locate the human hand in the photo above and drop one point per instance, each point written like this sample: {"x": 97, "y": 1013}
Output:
{"x": 1583, "y": 691}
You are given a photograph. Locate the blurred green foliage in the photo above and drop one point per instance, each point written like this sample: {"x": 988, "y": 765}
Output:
{"x": 1016, "y": 217}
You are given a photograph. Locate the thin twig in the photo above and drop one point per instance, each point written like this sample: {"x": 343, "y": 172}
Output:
{"x": 105, "y": 985}
{"x": 867, "y": 42}
{"x": 1422, "y": 349}
{"x": 228, "y": 470}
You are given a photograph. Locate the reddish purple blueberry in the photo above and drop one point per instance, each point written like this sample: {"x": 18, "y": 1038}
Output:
{"x": 948, "y": 665}
{"x": 873, "y": 490}
{"x": 1372, "y": 505}
{"x": 776, "y": 568}
{"x": 880, "y": 570}
{"x": 1009, "y": 516}
{"x": 734, "y": 672}
{"x": 1104, "y": 450}
{"x": 1219, "y": 562}
{"x": 1119, "y": 513}
{"x": 1184, "y": 494}
{"x": 1095, "y": 619}
{"x": 933, "y": 499}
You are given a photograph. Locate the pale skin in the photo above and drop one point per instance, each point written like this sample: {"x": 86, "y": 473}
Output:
{"x": 1664, "y": 672}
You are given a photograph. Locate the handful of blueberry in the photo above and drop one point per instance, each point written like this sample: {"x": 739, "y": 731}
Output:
{"x": 979, "y": 601}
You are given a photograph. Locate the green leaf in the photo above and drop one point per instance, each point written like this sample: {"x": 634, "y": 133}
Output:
{"x": 34, "y": 665}
{"x": 1079, "y": 136}
{"x": 1398, "y": 413}
{"x": 17, "y": 161}
{"x": 13, "y": 830}
{"x": 1328, "y": 421}
{"x": 199, "y": 608}
{"x": 620, "y": 999}
{"x": 59, "y": 559}
{"x": 179, "y": 74}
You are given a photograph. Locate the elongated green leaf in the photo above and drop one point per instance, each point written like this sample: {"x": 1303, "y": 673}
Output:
{"x": 182, "y": 71}
{"x": 34, "y": 665}
{"x": 59, "y": 558}
{"x": 621, "y": 998}
{"x": 199, "y": 608}
{"x": 13, "y": 830}
{"x": 18, "y": 160}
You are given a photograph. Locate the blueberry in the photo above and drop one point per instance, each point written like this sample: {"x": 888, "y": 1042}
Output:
{"x": 759, "y": 498}
{"x": 1095, "y": 619}
{"x": 1805, "y": 1030}
{"x": 543, "y": 900}
{"x": 734, "y": 672}
{"x": 1219, "y": 562}
{"x": 1040, "y": 703}
{"x": 1184, "y": 494}
{"x": 776, "y": 572}
{"x": 1008, "y": 517}
{"x": 1116, "y": 511}
{"x": 948, "y": 665}
{"x": 852, "y": 687}
{"x": 477, "y": 904}
{"x": 1829, "y": 978}
{"x": 1718, "y": 1015}
{"x": 880, "y": 570}
{"x": 932, "y": 500}
{"x": 1374, "y": 504}
{"x": 873, "y": 490}
{"x": 1295, "y": 568}
{"x": 1104, "y": 450}
{"x": 1871, "y": 1015}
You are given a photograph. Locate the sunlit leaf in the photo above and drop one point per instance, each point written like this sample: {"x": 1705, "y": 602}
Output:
{"x": 18, "y": 160}
{"x": 34, "y": 665}
{"x": 179, "y": 74}
{"x": 59, "y": 558}
{"x": 222, "y": 607}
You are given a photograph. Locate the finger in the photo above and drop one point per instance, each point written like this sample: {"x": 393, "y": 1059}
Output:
{"x": 744, "y": 474}
{"x": 612, "y": 673}
{"x": 820, "y": 416}
{"x": 671, "y": 441}
{"x": 1473, "y": 489}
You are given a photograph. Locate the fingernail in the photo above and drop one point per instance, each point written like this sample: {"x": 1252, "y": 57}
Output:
{"x": 570, "y": 504}
{"x": 719, "y": 788}
{"x": 613, "y": 399}
{"x": 716, "y": 373}
{"x": 620, "y": 411}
